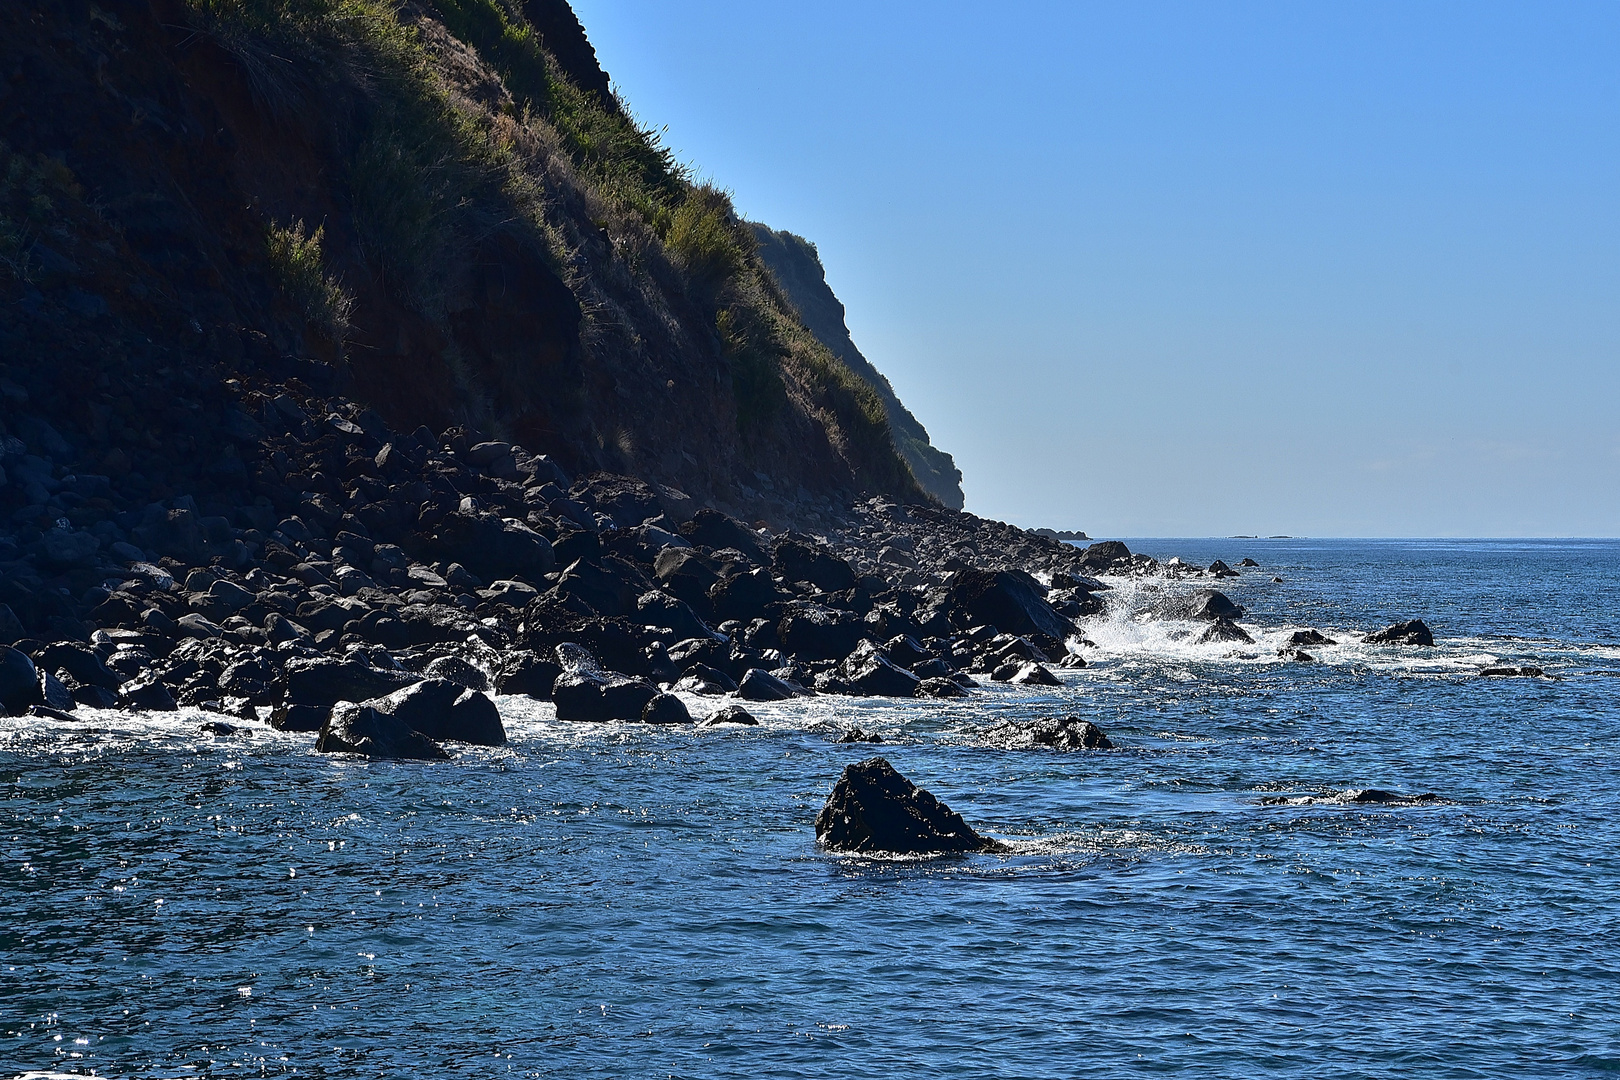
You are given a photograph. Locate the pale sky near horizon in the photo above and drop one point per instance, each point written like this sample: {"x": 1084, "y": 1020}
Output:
{"x": 1194, "y": 269}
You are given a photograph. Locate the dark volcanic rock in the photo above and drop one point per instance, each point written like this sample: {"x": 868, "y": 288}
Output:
{"x": 1069, "y": 733}
{"x": 523, "y": 672}
{"x": 874, "y": 675}
{"x": 492, "y": 547}
{"x": 714, "y": 530}
{"x": 665, "y": 709}
{"x": 19, "y": 681}
{"x": 745, "y": 596}
{"x": 1412, "y": 632}
{"x": 1012, "y": 602}
{"x": 584, "y": 691}
{"x": 873, "y": 808}
{"x": 443, "y": 710}
{"x": 322, "y": 681}
{"x": 362, "y": 729}
{"x": 937, "y": 687}
{"x": 757, "y": 684}
{"x": 801, "y": 562}
{"x": 813, "y": 632}
{"x": 84, "y": 665}
{"x": 1512, "y": 673}
{"x": 1205, "y": 604}
{"x": 1310, "y": 637}
{"x": 1031, "y": 673}
{"x": 1224, "y": 630}
{"x": 1099, "y": 557}
{"x": 660, "y": 609}
{"x": 150, "y": 695}
{"x": 731, "y": 714}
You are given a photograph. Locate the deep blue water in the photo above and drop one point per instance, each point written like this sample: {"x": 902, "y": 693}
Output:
{"x": 620, "y": 902}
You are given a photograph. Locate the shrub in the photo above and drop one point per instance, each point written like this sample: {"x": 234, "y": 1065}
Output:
{"x": 295, "y": 259}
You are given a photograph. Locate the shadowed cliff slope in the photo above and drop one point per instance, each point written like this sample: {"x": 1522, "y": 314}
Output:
{"x": 797, "y": 267}
{"x": 436, "y": 208}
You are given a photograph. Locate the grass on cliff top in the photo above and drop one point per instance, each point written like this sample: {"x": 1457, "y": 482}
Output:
{"x": 432, "y": 172}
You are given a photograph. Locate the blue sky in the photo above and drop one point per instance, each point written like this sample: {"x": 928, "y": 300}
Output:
{"x": 1195, "y": 269}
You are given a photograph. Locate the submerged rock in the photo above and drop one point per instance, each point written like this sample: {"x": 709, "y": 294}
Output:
{"x": 1310, "y": 637}
{"x": 873, "y": 808}
{"x": 1069, "y": 733}
{"x": 856, "y": 735}
{"x": 1513, "y": 673}
{"x": 1411, "y": 632}
{"x": 731, "y": 714}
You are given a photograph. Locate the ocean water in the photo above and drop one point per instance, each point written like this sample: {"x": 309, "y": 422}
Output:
{"x": 616, "y": 901}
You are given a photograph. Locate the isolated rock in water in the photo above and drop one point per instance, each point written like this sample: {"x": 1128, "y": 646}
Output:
{"x": 760, "y": 685}
{"x": 584, "y": 691}
{"x": 731, "y": 714}
{"x": 1248, "y": 562}
{"x": 1220, "y": 569}
{"x": 873, "y": 808}
{"x": 1310, "y": 637}
{"x": 665, "y": 709}
{"x": 1411, "y": 632}
{"x": 856, "y": 735}
{"x": 1206, "y": 604}
{"x": 362, "y": 729}
{"x": 1512, "y": 673}
{"x": 19, "y": 681}
{"x": 444, "y": 710}
{"x": 1224, "y": 630}
{"x": 1034, "y": 674}
{"x": 1069, "y": 733}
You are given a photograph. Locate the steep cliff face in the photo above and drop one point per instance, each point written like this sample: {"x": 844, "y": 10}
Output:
{"x": 797, "y": 267}
{"x": 436, "y": 208}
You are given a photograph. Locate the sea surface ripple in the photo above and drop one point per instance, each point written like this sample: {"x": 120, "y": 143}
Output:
{"x": 615, "y": 901}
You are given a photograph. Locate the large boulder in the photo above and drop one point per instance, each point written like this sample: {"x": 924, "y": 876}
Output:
{"x": 813, "y": 632}
{"x": 19, "y": 681}
{"x": 657, "y": 608}
{"x": 687, "y": 575}
{"x": 602, "y": 588}
{"x": 798, "y": 561}
{"x": 873, "y": 808}
{"x": 324, "y": 681}
{"x": 363, "y": 729}
{"x": 714, "y": 530}
{"x": 875, "y": 675}
{"x": 1011, "y": 601}
{"x": 85, "y": 666}
{"x": 1100, "y": 557}
{"x": 522, "y": 672}
{"x": 443, "y": 710}
{"x": 665, "y": 709}
{"x": 585, "y": 691}
{"x": 731, "y": 714}
{"x": 1206, "y": 605}
{"x": 492, "y": 547}
{"x": 1411, "y": 632}
{"x": 744, "y": 596}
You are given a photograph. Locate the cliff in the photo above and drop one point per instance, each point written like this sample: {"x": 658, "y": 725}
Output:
{"x": 797, "y": 267}
{"x": 437, "y": 209}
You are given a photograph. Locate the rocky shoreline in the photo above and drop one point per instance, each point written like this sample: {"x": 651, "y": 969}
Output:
{"x": 374, "y": 587}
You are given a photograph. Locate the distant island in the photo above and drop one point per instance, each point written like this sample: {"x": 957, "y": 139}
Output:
{"x": 1069, "y": 535}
